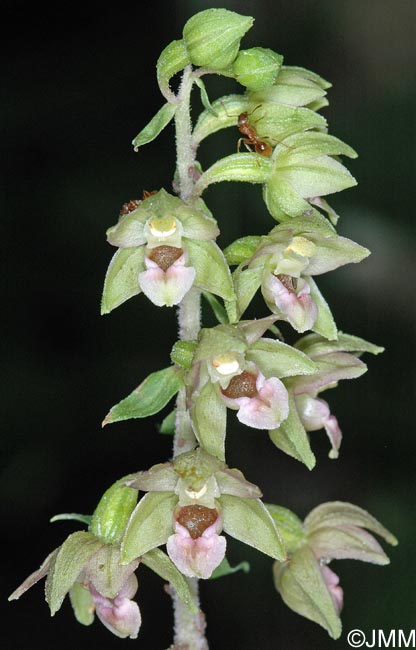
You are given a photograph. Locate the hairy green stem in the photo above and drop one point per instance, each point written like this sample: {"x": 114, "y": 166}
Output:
{"x": 189, "y": 631}
{"x": 189, "y": 628}
{"x": 185, "y": 153}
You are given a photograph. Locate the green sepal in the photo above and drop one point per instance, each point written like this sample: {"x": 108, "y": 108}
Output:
{"x": 108, "y": 575}
{"x": 246, "y": 282}
{"x": 276, "y": 122}
{"x": 182, "y": 353}
{"x": 155, "y": 126}
{"x": 46, "y": 566}
{"x": 301, "y": 147}
{"x": 149, "y": 398}
{"x": 150, "y": 525}
{"x": 341, "y": 513}
{"x": 289, "y": 526}
{"x": 68, "y": 563}
{"x": 291, "y": 437}
{"x": 167, "y": 426}
{"x": 305, "y": 163}
{"x": 241, "y": 167}
{"x": 82, "y": 603}
{"x": 110, "y": 517}
{"x": 212, "y": 37}
{"x": 257, "y": 67}
{"x": 314, "y": 344}
{"x": 122, "y": 278}
{"x": 249, "y": 521}
{"x": 225, "y": 569}
{"x": 71, "y": 516}
{"x": 172, "y": 59}
{"x": 212, "y": 272}
{"x": 209, "y": 418}
{"x": 277, "y": 359}
{"x": 347, "y": 542}
{"x": 162, "y": 565}
{"x": 219, "y": 340}
{"x": 284, "y": 203}
{"x": 302, "y": 587}
{"x": 204, "y": 96}
{"x": 218, "y": 309}
{"x": 304, "y": 169}
{"x": 242, "y": 249}
{"x": 232, "y": 481}
{"x": 232, "y": 310}
{"x": 223, "y": 114}
{"x": 324, "y": 324}
{"x": 294, "y": 87}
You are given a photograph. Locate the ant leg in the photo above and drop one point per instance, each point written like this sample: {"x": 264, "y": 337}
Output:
{"x": 247, "y": 143}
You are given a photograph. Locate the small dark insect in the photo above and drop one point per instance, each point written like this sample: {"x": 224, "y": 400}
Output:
{"x": 129, "y": 206}
{"x": 251, "y": 138}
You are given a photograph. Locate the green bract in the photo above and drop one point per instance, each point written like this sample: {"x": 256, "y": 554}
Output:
{"x": 155, "y": 126}
{"x": 212, "y": 37}
{"x": 148, "y": 398}
{"x": 173, "y": 59}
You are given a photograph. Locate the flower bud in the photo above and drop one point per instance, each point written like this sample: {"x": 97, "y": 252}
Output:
{"x": 112, "y": 513}
{"x": 212, "y": 37}
{"x": 257, "y": 67}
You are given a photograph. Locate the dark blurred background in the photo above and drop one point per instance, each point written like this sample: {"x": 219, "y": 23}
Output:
{"x": 78, "y": 84}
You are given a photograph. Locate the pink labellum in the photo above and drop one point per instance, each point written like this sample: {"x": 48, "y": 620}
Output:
{"x": 196, "y": 558}
{"x": 120, "y": 615}
{"x": 166, "y": 288}
{"x": 332, "y": 582}
{"x": 266, "y": 410}
{"x": 315, "y": 415}
{"x": 291, "y": 300}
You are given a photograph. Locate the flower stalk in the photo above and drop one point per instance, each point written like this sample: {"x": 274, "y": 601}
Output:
{"x": 189, "y": 628}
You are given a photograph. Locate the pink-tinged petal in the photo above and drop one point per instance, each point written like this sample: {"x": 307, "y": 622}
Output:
{"x": 35, "y": 576}
{"x": 332, "y": 582}
{"x": 120, "y": 615}
{"x": 315, "y": 415}
{"x": 294, "y": 305}
{"x": 269, "y": 408}
{"x": 334, "y": 434}
{"x": 166, "y": 288}
{"x": 196, "y": 558}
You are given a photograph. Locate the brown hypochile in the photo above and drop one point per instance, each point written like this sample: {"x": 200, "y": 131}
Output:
{"x": 165, "y": 256}
{"x": 196, "y": 519}
{"x": 242, "y": 385}
{"x": 288, "y": 282}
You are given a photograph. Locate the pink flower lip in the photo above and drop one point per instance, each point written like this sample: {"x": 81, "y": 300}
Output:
{"x": 120, "y": 615}
{"x": 166, "y": 287}
{"x": 265, "y": 410}
{"x": 332, "y": 582}
{"x": 291, "y": 297}
{"x": 197, "y": 558}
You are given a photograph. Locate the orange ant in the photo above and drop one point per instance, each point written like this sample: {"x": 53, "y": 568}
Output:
{"x": 133, "y": 204}
{"x": 251, "y": 139}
